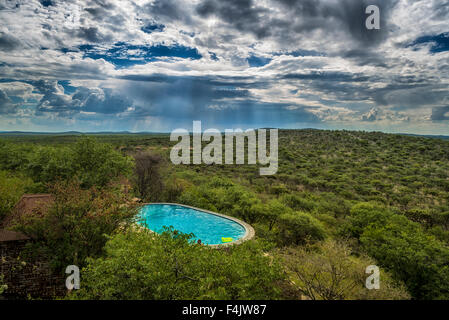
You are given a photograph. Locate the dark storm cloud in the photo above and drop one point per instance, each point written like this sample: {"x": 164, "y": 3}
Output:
{"x": 167, "y": 10}
{"x": 6, "y": 104}
{"x": 215, "y": 99}
{"x": 103, "y": 101}
{"x": 441, "y": 113}
{"x": 327, "y": 76}
{"x": 255, "y": 113}
{"x": 441, "y": 9}
{"x": 221, "y": 101}
{"x": 363, "y": 57}
{"x": 301, "y": 16}
{"x": 409, "y": 96}
{"x": 97, "y": 12}
{"x": 242, "y": 14}
{"x": 179, "y": 96}
{"x": 267, "y": 63}
{"x": 92, "y": 34}
{"x": 108, "y": 15}
{"x": 241, "y": 82}
{"x": 53, "y": 99}
{"x": 97, "y": 100}
{"x": 8, "y": 42}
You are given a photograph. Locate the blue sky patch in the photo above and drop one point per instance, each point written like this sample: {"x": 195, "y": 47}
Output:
{"x": 255, "y": 61}
{"x": 68, "y": 89}
{"x": 439, "y": 42}
{"x": 213, "y": 56}
{"x": 153, "y": 27}
{"x": 46, "y": 3}
{"x": 124, "y": 55}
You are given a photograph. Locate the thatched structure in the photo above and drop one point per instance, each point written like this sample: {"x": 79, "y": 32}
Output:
{"x": 28, "y": 205}
{"x": 7, "y": 235}
{"x": 35, "y": 278}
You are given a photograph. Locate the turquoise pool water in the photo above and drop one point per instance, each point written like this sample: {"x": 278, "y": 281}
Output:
{"x": 206, "y": 227}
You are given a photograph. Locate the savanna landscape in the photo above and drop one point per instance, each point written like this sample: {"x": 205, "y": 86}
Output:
{"x": 340, "y": 201}
{"x": 224, "y": 158}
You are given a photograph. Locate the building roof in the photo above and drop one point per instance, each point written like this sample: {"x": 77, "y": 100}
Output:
{"x": 29, "y": 204}
{"x": 6, "y": 235}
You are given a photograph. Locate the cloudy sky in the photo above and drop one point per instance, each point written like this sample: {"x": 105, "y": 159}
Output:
{"x": 103, "y": 65}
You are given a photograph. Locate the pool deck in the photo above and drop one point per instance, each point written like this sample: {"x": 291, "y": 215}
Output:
{"x": 249, "y": 231}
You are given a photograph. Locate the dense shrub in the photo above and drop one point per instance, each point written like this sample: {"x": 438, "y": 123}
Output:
{"x": 328, "y": 271}
{"x": 94, "y": 163}
{"x": 144, "y": 265}
{"x": 298, "y": 203}
{"x": 299, "y": 227}
{"x": 11, "y": 189}
{"x": 3, "y": 287}
{"x": 403, "y": 247}
{"x": 97, "y": 164}
{"x": 76, "y": 225}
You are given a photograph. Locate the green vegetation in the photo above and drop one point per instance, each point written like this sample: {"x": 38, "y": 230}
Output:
{"x": 142, "y": 265}
{"x": 92, "y": 163}
{"x": 341, "y": 200}
{"x": 329, "y": 271}
{"x": 77, "y": 224}
{"x": 11, "y": 189}
{"x": 402, "y": 246}
{"x": 3, "y": 287}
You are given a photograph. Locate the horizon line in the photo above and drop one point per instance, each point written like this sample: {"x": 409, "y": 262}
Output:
{"x": 168, "y": 132}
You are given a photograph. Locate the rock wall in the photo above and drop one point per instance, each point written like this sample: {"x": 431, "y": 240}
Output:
{"x": 27, "y": 279}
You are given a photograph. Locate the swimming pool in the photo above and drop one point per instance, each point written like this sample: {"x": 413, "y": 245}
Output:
{"x": 206, "y": 226}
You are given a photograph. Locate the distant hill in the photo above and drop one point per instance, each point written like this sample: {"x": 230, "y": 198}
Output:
{"x": 71, "y": 133}
{"x": 426, "y": 136}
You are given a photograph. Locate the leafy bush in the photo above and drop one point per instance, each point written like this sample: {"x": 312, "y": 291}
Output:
{"x": 76, "y": 225}
{"x": 245, "y": 207}
{"x": 11, "y": 189}
{"x": 92, "y": 162}
{"x": 403, "y": 247}
{"x": 299, "y": 227}
{"x": 144, "y": 265}
{"x": 328, "y": 271}
{"x": 3, "y": 286}
{"x": 271, "y": 211}
{"x": 298, "y": 203}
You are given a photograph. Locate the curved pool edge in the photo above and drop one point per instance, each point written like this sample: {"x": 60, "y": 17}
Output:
{"x": 249, "y": 230}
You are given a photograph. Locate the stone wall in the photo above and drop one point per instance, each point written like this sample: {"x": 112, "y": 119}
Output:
{"x": 27, "y": 279}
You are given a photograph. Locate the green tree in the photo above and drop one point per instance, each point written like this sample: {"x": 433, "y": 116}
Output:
{"x": 299, "y": 227}
{"x": 271, "y": 211}
{"x": 246, "y": 207}
{"x": 328, "y": 271}
{"x": 403, "y": 247}
{"x": 96, "y": 164}
{"x": 92, "y": 162}
{"x": 11, "y": 189}
{"x": 77, "y": 224}
{"x": 144, "y": 265}
{"x": 3, "y": 287}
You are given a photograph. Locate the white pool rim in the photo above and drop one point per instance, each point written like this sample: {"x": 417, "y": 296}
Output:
{"x": 249, "y": 231}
